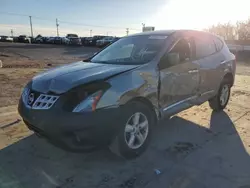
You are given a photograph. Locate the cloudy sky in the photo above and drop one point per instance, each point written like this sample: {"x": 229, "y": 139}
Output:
{"x": 112, "y": 17}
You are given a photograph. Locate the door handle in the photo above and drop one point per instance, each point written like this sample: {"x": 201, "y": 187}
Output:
{"x": 193, "y": 71}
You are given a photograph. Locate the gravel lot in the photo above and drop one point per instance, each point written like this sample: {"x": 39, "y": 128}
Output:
{"x": 194, "y": 149}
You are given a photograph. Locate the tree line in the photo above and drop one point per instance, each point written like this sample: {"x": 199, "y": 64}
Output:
{"x": 238, "y": 31}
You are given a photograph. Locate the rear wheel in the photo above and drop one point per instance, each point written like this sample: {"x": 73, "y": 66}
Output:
{"x": 219, "y": 102}
{"x": 134, "y": 132}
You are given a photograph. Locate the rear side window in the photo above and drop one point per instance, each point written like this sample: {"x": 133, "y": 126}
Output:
{"x": 218, "y": 43}
{"x": 205, "y": 46}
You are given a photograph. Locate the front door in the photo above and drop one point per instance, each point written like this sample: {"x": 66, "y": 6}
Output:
{"x": 179, "y": 78}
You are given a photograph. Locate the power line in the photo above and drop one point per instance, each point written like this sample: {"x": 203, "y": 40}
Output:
{"x": 90, "y": 25}
{"x": 14, "y": 14}
{"x": 67, "y": 22}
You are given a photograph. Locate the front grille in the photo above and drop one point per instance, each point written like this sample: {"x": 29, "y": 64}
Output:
{"x": 44, "y": 102}
{"x": 35, "y": 100}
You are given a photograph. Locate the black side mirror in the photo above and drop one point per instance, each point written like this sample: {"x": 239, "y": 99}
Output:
{"x": 169, "y": 59}
{"x": 173, "y": 58}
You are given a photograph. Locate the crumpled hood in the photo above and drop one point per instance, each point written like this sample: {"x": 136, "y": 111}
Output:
{"x": 64, "y": 78}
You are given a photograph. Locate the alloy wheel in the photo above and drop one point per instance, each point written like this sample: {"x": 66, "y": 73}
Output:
{"x": 136, "y": 130}
{"x": 224, "y": 95}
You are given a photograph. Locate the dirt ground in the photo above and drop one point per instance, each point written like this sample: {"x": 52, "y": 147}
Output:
{"x": 194, "y": 149}
{"x": 22, "y": 61}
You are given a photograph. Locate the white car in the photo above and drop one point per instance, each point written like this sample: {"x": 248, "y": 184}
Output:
{"x": 65, "y": 40}
{"x": 105, "y": 41}
{"x": 6, "y": 39}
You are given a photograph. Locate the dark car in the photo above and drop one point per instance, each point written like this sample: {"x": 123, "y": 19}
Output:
{"x": 74, "y": 39}
{"x": 116, "y": 97}
{"x": 39, "y": 39}
{"x": 87, "y": 41}
{"x": 83, "y": 39}
{"x": 50, "y": 40}
{"x": 58, "y": 40}
{"x": 24, "y": 39}
{"x": 6, "y": 39}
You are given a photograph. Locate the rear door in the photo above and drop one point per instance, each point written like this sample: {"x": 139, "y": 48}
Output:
{"x": 209, "y": 60}
{"x": 179, "y": 82}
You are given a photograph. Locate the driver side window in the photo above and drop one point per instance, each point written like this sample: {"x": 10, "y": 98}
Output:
{"x": 180, "y": 53}
{"x": 183, "y": 49}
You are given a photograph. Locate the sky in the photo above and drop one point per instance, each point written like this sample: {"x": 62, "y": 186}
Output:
{"x": 112, "y": 17}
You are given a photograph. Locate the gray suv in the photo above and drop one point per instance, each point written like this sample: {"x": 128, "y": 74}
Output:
{"x": 116, "y": 97}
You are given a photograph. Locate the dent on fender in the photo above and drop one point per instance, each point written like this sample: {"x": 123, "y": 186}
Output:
{"x": 127, "y": 87}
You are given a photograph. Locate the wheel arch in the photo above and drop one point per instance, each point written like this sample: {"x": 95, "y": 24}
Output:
{"x": 149, "y": 104}
{"x": 228, "y": 77}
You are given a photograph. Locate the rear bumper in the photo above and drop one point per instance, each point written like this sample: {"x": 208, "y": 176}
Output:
{"x": 77, "y": 132}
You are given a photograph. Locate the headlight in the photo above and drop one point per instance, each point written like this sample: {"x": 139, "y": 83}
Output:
{"x": 89, "y": 104}
{"x": 84, "y": 97}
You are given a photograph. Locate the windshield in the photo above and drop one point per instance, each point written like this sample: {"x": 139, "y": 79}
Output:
{"x": 131, "y": 50}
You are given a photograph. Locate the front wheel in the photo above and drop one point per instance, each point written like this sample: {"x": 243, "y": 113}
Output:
{"x": 219, "y": 102}
{"x": 134, "y": 132}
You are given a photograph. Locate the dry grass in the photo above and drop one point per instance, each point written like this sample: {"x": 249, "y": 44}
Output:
{"x": 11, "y": 83}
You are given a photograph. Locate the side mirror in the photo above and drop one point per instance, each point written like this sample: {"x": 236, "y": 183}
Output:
{"x": 173, "y": 58}
{"x": 169, "y": 59}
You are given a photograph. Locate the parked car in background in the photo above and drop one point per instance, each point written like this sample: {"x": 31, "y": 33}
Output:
{"x": 116, "y": 97}
{"x": 50, "y": 40}
{"x": 6, "y": 39}
{"x": 74, "y": 39}
{"x": 105, "y": 41}
{"x": 65, "y": 40}
{"x": 83, "y": 40}
{"x": 24, "y": 39}
{"x": 39, "y": 39}
{"x": 3, "y": 38}
{"x": 87, "y": 41}
{"x": 15, "y": 39}
{"x": 58, "y": 40}
{"x": 94, "y": 39}
{"x": 116, "y": 39}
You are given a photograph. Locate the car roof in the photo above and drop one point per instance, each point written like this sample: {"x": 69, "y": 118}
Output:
{"x": 159, "y": 32}
{"x": 169, "y": 32}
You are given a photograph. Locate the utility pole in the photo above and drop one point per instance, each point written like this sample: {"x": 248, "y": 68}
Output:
{"x": 127, "y": 31}
{"x": 11, "y": 32}
{"x": 143, "y": 26}
{"x": 57, "y": 25}
{"x": 107, "y": 33}
{"x": 90, "y": 32}
{"x": 31, "y": 29}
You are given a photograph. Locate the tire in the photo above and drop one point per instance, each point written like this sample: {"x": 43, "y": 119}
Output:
{"x": 122, "y": 143}
{"x": 216, "y": 103}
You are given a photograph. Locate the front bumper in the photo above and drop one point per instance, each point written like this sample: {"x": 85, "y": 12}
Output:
{"x": 72, "y": 131}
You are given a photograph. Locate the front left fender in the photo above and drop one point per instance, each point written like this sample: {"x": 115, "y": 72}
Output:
{"x": 130, "y": 85}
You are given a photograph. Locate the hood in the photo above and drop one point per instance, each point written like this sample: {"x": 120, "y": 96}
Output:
{"x": 64, "y": 78}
